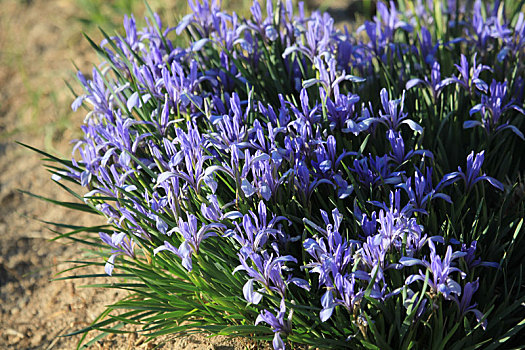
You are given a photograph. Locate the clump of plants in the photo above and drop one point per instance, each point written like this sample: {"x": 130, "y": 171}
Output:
{"x": 282, "y": 179}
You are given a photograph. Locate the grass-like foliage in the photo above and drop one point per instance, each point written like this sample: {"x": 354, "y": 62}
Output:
{"x": 281, "y": 179}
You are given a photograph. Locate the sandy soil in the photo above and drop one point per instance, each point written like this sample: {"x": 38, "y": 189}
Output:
{"x": 39, "y": 40}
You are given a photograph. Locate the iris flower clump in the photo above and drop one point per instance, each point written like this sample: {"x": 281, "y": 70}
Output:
{"x": 281, "y": 178}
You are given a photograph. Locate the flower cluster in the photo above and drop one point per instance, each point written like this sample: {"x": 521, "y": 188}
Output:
{"x": 238, "y": 145}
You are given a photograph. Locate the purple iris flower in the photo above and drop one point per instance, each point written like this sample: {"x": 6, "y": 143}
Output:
{"x": 441, "y": 270}
{"x": 189, "y": 164}
{"x": 343, "y": 112}
{"x": 226, "y": 76}
{"x": 120, "y": 244}
{"x": 203, "y": 16}
{"x": 128, "y": 220}
{"x": 329, "y": 77}
{"x": 266, "y": 177}
{"x": 279, "y": 324}
{"x": 372, "y": 255}
{"x": 265, "y": 28}
{"x": 256, "y": 229}
{"x": 465, "y": 303}
{"x": 193, "y": 237}
{"x": 264, "y": 268}
{"x": 381, "y": 31}
{"x": 428, "y": 49}
{"x": 264, "y": 172}
{"x": 342, "y": 109}
{"x": 97, "y": 94}
{"x": 492, "y": 108}
{"x": 328, "y": 160}
{"x": 369, "y": 224}
{"x": 264, "y": 139}
{"x": 226, "y": 31}
{"x": 348, "y": 295}
{"x": 231, "y": 128}
{"x": 182, "y": 88}
{"x": 305, "y": 114}
{"x": 267, "y": 269}
{"x": 422, "y": 191}
{"x": 470, "y": 259}
{"x": 345, "y": 52}
{"x": 435, "y": 83}
{"x": 128, "y": 44}
{"x": 330, "y": 248}
{"x": 333, "y": 260}
{"x": 279, "y": 117}
{"x": 375, "y": 171}
{"x": 149, "y": 43}
{"x": 378, "y": 38}
{"x": 398, "y": 154}
{"x": 480, "y": 30}
{"x": 516, "y": 42}
{"x": 396, "y": 228}
{"x": 392, "y": 114}
{"x": 131, "y": 32}
{"x": 471, "y": 175}
{"x": 469, "y": 76}
{"x": 329, "y": 260}
{"x": 184, "y": 252}
{"x": 390, "y": 19}
{"x": 318, "y": 37}
{"x": 304, "y": 184}
{"x": 212, "y": 211}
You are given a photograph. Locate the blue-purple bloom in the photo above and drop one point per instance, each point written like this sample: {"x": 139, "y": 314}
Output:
{"x": 492, "y": 107}
{"x": 120, "y": 244}
{"x": 441, "y": 270}
{"x": 381, "y": 31}
{"x": 392, "y": 114}
{"x": 465, "y": 304}
{"x": 193, "y": 236}
{"x": 471, "y": 174}
{"x": 398, "y": 154}
{"x": 333, "y": 259}
{"x": 421, "y": 191}
{"x": 435, "y": 83}
{"x": 469, "y": 77}
{"x": 376, "y": 171}
{"x": 470, "y": 257}
{"x": 279, "y": 324}
{"x": 481, "y": 31}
